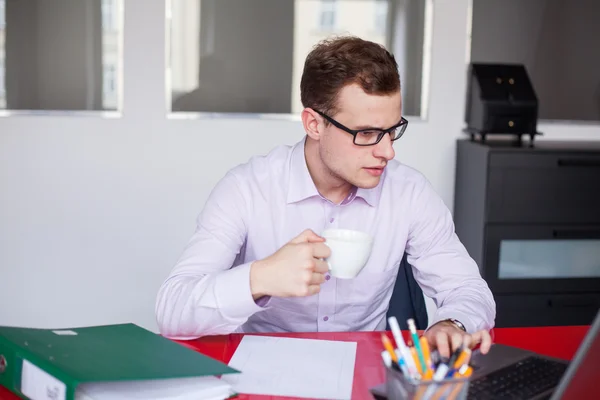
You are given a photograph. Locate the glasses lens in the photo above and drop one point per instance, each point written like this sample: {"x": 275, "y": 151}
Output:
{"x": 371, "y": 137}
{"x": 399, "y": 131}
{"x": 365, "y": 138}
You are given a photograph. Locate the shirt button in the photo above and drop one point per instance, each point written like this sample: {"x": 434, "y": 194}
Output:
{"x": 327, "y": 277}
{"x": 331, "y": 220}
{"x": 325, "y": 318}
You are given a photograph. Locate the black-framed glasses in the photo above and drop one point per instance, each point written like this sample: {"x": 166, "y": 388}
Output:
{"x": 369, "y": 136}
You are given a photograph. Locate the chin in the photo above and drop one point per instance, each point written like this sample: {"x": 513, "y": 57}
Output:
{"x": 367, "y": 182}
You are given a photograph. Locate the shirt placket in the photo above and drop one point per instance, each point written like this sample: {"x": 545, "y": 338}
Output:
{"x": 326, "y": 302}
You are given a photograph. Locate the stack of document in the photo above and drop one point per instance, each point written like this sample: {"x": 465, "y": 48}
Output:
{"x": 111, "y": 362}
{"x": 206, "y": 388}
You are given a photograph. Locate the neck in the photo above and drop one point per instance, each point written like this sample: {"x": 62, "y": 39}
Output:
{"x": 330, "y": 186}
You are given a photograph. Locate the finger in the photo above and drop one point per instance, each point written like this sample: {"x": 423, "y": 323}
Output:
{"x": 314, "y": 289}
{"x": 475, "y": 339}
{"x": 317, "y": 278}
{"x": 457, "y": 339}
{"x": 321, "y": 266}
{"x": 320, "y": 250}
{"x": 441, "y": 343}
{"x": 307, "y": 236}
{"x": 466, "y": 341}
{"x": 486, "y": 342}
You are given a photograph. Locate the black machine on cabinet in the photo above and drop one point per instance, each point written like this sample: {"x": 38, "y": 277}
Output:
{"x": 500, "y": 100}
{"x": 530, "y": 217}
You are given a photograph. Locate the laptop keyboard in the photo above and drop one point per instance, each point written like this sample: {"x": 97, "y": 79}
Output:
{"x": 522, "y": 380}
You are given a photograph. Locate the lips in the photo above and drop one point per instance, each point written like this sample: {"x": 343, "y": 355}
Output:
{"x": 375, "y": 171}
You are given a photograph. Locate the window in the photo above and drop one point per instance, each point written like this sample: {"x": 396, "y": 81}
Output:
{"x": 381, "y": 16}
{"x": 327, "y": 15}
{"x": 109, "y": 86}
{"x": 109, "y": 15}
{"x": 60, "y": 69}
{"x": 2, "y": 72}
{"x": 109, "y": 80}
{"x": 2, "y": 14}
{"x": 228, "y": 56}
{"x": 2, "y": 82}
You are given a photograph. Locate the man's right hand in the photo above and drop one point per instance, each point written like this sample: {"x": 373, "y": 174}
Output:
{"x": 296, "y": 269}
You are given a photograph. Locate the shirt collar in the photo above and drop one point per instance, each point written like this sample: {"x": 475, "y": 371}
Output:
{"x": 301, "y": 185}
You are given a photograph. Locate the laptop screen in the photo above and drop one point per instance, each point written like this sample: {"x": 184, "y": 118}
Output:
{"x": 581, "y": 378}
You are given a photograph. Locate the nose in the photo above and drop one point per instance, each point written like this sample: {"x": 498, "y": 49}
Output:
{"x": 384, "y": 148}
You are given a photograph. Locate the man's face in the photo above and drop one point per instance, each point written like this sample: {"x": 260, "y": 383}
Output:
{"x": 361, "y": 166}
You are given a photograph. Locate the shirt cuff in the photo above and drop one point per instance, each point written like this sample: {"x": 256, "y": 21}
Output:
{"x": 465, "y": 319}
{"x": 233, "y": 294}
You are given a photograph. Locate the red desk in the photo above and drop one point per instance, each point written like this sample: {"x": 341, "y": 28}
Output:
{"x": 561, "y": 342}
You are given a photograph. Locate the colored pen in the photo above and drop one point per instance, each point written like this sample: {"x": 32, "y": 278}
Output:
{"x": 426, "y": 351}
{"x": 387, "y": 359}
{"x": 435, "y": 357}
{"x": 464, "y": 371}
{"x": 389, "y": 354}
{"x": 456, "y": 388}
{"x": 427, "y": 356}
{"x": 402, "y": 364}
{"x": 413, "y": 353}
{"x": 440, "y": 372}
{"x": 388, "y": 346}
{"x": 412, "y": 368}
{"x": 415, "y": 338}
{"x": 454, "y": 356}
{"x": 462, "y": 359}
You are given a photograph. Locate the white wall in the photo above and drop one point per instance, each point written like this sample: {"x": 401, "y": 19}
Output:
{"x": 94, "y": 212}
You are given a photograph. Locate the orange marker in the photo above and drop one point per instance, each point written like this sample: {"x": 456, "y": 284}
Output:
{"x": 415, "y": 356}
{"x": 462, "y": 359}
{"x": 468, "y": 371}
{"x": 455, "y": 391}
{"x": 427, "y": 356}
{"x": 425, "y": 348}
{"x": 464, "y": 372}
{"x": 388, "y": 346}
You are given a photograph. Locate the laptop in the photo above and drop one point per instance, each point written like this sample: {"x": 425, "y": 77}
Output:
{"x": 508, "y": 372}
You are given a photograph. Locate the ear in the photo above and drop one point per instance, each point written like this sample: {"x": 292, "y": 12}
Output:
{"x": 312, "y": 123}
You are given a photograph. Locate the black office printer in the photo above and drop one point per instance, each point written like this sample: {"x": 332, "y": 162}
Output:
{"x": 500, "y": 100}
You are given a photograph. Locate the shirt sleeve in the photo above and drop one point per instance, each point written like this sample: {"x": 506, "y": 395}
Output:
{"x": 204, "y": 294}
{"x": 443, "y": 267}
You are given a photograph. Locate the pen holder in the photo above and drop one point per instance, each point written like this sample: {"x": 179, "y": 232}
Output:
{"x": 400, "y": 387}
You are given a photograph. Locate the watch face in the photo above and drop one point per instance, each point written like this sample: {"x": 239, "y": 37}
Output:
{"x": 459, "y": 324}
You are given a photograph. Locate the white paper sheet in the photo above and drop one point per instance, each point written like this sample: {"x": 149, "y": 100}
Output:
{"x": 277, "y": 366}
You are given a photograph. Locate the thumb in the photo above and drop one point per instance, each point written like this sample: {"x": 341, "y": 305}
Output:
{"x": 307, "y": 236}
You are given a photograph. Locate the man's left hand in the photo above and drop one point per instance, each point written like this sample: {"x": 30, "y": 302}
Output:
{"x": 447, "y": 337}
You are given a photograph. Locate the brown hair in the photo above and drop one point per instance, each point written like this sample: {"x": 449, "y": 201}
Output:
{"x": 337, "y": 62}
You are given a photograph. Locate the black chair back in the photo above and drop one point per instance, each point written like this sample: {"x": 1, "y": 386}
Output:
{"x": 407, "y": 299}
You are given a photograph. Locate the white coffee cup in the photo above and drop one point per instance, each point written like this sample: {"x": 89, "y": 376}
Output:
{"x": 350, "y": 251}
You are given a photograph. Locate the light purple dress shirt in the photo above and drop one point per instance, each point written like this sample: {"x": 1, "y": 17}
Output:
{"x": 262, "y": 204}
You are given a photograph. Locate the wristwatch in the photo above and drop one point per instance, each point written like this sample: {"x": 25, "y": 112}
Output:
{"x": 458, "y": 324}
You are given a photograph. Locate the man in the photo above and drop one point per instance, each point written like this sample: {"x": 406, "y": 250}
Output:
{"x": 255, "y": 263}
